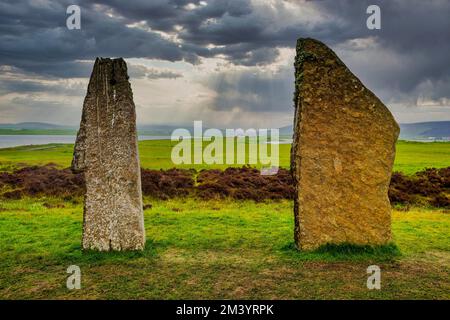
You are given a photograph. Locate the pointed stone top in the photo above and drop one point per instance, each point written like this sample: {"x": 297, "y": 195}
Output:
{"x": 305, "y": 40}
{"x": 116, "y": 68}
{"x": 318, "y": 67}
{"x": 113, "y": 63}
{"x": 315, "y": 50}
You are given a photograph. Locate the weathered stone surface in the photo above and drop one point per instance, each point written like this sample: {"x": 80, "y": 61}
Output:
{"x": 106, "y": 151}
{"x": 342, "y": 154}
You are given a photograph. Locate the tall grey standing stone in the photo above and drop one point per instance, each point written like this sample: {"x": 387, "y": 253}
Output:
{"x": 106, "y": 151}
{"x": 342, "y": 154}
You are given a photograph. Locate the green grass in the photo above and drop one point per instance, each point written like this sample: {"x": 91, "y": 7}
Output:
{"x": 414, "y": 156}
{"x": 156, "y": 154}
{"x": 60, "y": 154}
{"x": 216, "y": 249}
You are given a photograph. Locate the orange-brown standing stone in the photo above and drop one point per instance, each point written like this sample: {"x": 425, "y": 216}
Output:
{"x": 106, "y": 151}
{"x": 342, "y": 154}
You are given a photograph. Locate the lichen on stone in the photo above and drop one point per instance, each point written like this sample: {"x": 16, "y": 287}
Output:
{"x": 106, "y": 152}
{"x": 342, "y": 154}
{"x": 301, "y": 56}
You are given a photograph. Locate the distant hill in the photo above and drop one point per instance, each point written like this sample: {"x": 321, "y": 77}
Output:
{"x": 34, "y": 126}
{"x": 286, "y": 131}
{"x": 157, "y": 129}
{"x": 433, "y": 130}
{"x": 436, "y": 130}
{"x": 425, "y": 130}
{"x": 42, "y": 128}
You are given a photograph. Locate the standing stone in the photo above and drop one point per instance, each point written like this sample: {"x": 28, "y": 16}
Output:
{"x": 106, "y": 151}
{"x": 342, "y": 154}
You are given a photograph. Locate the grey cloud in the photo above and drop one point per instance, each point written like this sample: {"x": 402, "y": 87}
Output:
{"x": 137, "y": 71}
{"x": 242, "y": 29}
{"x": 140, "y": 71}
{"x": 48, "y": 47}
{"x": 67, "y": 111}
{"x": 36, "y": 86}
{"x": 164, "y": 74}
{"x": 415, "y": 35}
{"x": 253, "y": 92}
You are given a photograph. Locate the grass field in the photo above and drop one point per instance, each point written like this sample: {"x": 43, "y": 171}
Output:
{"x": 212, "y": 249}
{"x": 216, "y": 249}
{"x": 156, "y": 154}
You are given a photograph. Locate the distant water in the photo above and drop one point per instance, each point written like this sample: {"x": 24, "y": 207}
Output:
{"x": 8, "y": 141}
{"x": 281, "y": 141}
{"x": 428, "y": 140}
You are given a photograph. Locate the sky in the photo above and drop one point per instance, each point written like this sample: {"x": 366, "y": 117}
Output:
{"x": 228, "y": 63}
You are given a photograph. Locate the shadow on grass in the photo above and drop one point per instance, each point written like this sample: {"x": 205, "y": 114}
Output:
{"x": 77, "y": 254}
{"x": 343, "y": 252}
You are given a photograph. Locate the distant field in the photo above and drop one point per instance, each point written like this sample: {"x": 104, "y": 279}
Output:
{"x": 156, "y": 154}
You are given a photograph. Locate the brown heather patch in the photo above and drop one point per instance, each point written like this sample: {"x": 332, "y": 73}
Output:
{"x": 428, "y": 187}
{"x": 45, "y": 180}
{"x": 245, "y": 183}
{"x": 165, "y": 184}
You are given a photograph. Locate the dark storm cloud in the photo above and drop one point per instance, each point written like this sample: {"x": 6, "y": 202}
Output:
{"x": 23, "y": 85}
{"x": 258, "y": 92}
{"x": 418, "y": 31}
{"x": 35, "y": 86}
{"x": 411, "y": 58}
{"x": 413, "y": 43}
{"x": 415, "y": 32}
{"x": 35, "y": 39}
{"x": 35, "y": 36}
{"x": 230, "y": 23}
